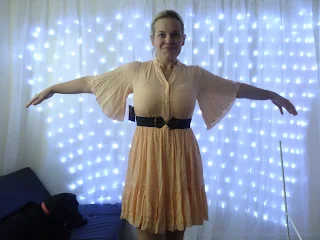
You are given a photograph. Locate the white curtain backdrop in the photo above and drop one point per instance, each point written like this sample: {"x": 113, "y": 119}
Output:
{"x": 73, "y": 147}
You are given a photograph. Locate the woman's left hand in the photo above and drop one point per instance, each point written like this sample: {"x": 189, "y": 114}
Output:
{"x": 281, "y": 102}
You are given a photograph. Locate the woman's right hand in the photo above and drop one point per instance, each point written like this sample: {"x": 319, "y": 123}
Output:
{"x": 45, "y": 94}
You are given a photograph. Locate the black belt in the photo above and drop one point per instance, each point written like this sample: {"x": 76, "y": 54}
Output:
{"x": 159, "y": 122}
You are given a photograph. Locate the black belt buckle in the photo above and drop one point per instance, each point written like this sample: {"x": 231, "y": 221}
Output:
{"x": 160, "y": 123}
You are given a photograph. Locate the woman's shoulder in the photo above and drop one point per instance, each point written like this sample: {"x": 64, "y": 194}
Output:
{"x": 191, "y": 69}
{"x": 133, "y": 66}
{"x": 139, "y": 64}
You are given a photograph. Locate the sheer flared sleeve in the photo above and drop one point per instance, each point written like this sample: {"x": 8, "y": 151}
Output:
{"x": 216, "y": 96}
{"x": 111, "y": 89}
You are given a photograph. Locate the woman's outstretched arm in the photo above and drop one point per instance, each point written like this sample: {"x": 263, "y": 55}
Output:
{"x": 250, "y": 92}
{"x": 79, "y": 85}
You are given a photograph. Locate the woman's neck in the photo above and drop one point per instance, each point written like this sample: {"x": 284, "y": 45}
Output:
{"x": 166, "y": 63}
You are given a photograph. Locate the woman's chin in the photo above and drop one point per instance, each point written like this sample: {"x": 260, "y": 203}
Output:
{"x": 170, "y": 55}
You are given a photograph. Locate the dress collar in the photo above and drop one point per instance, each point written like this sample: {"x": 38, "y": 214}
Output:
{"x": 158, "y": 64}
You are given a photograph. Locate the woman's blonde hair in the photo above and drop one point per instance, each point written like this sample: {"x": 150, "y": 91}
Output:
{"x": 167, "y": 14}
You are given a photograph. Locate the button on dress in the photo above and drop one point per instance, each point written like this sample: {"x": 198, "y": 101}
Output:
{"x": 164, "y": 188}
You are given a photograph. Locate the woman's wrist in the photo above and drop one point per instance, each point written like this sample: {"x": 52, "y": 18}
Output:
{"x": 52, "y": 89}
{"x": 272, "y": 95}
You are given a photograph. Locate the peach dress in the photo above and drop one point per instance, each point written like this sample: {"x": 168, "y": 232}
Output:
{"x": 164, "y": 188}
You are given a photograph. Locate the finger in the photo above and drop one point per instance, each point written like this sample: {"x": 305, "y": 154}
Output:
{"x": 292, "y": 110}
{"x": 38, "y": 101}
{"x": 28, "y": 104}
{"x": 31, "y": 102}
{"x": 280, "y": 108}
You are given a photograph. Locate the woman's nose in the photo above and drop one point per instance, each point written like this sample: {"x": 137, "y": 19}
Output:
{"x": 169, "y": 39}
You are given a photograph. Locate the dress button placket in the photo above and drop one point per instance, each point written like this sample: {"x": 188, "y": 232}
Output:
{"x": 166, "y": 102}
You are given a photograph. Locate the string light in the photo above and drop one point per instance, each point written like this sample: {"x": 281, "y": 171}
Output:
{"x": 93, "y": 143}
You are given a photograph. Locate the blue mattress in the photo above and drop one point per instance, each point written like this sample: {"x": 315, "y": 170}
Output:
{"x": 23, "y": 186}
{"x": 19, "y": 188}
{"x": 103, "y": 222}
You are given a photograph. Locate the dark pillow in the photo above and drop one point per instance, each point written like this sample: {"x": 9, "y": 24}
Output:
{"x": 31, "y": 222}
{"x": 63, "y": 209}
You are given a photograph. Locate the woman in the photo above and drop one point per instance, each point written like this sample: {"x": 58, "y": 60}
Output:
{"x": 164, "y": 191}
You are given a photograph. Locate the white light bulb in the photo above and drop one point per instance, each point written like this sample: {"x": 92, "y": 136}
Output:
{"x": 51, "y": 32}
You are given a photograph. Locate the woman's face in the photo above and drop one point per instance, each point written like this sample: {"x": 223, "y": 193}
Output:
{"x": 168, "y": 38}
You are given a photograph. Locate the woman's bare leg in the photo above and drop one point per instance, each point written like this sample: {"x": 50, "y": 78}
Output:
{"x": 143, "y": 235}
{"x": 176, "y": 235}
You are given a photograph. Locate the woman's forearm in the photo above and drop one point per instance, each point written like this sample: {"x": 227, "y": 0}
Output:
{"x": 251, "y": 92}
{"x": 79, "y": 85}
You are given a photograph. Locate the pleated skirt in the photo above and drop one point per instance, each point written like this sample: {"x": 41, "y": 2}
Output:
{"x": 164, "y": 188}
